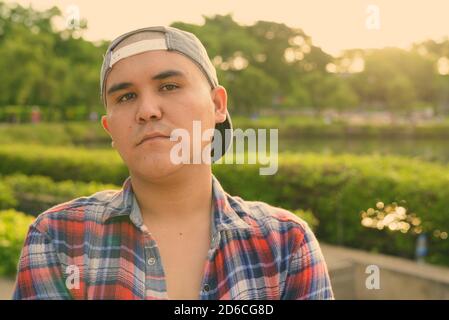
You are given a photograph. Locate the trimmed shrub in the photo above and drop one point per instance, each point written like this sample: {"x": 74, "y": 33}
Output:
{"x": 7, "y": 199}
{"x": 338, "y": 188}
{"x": 48, "y": 133}
{"x": 335, "y": 188}
{"x": 35, "y": 194}
{"x": 14, "y": 226}
{"x": 308, "y": 217}
{"x": 63, "y": 163}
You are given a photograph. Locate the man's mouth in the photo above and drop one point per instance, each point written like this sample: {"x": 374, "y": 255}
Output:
{"x": 152, "y": 137}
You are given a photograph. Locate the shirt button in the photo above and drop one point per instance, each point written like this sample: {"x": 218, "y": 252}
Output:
{"x": 151, "y": 261}
{"x": 206, "y": 288}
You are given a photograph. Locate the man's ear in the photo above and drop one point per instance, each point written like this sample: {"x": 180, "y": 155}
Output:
{"x": 220, "y": 99}
{"x": 104, "y": 123}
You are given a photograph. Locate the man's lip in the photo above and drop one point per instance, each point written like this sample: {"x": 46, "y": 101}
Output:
{"x": 152, "y": 137}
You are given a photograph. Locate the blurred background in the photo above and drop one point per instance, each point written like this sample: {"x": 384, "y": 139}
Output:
{"x": 358, "y": 90}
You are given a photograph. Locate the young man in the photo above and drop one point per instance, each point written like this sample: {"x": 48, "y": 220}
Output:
{"x": 171, "y": 232}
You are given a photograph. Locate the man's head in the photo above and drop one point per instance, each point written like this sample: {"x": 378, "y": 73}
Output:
{"x": 155, "y": 80}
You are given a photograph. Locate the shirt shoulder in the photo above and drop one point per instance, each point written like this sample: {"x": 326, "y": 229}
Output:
{"x": 85, "y": 209}
{"x": 272, "y": 222}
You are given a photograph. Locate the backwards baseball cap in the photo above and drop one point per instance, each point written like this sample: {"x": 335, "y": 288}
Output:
{"x": 171, "y": 39}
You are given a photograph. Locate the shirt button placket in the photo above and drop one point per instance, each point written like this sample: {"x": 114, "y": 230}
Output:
{"x": 151, "y": 261}
{"x": 153, "y": 267}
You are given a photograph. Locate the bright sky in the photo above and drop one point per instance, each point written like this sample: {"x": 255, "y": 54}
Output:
{"x": 333, "y": 25}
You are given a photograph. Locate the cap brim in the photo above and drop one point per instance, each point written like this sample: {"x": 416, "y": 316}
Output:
{"x": 226, "y": 131}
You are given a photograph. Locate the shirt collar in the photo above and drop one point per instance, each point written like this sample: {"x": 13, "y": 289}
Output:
{"x": 226, "y": 211}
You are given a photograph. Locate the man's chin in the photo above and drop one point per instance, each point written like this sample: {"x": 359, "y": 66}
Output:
{"x": 157, "y": 168}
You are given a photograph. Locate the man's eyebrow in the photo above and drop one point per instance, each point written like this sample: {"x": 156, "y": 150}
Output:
{"x": 160, "y": 76}
{"x": 168, "y": 74}
{"x": 119, "y": 86}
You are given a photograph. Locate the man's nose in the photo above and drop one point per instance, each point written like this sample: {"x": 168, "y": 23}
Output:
{"x": 149, "y": 108}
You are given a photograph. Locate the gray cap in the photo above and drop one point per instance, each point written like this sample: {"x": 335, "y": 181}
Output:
{"x": 172, "y": 39}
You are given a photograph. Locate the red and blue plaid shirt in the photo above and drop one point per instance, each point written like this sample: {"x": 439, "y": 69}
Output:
{"x": 97, "y": 247}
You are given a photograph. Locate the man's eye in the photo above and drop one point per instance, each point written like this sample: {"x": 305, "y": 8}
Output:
{"x": 126, "y": 97}
{"x": 169, "y": 87}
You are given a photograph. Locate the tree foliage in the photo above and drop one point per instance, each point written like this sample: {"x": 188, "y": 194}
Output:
{"x": 264, "y": 65}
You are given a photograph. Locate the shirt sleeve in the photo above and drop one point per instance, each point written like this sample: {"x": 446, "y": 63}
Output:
{"x": 39, "y": 271}
{"x": 307, "y": 276}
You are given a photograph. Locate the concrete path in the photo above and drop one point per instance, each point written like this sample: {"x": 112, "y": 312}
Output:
{"x": 6, "y": 288}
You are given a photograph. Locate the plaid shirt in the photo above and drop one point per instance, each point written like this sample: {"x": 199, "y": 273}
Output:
{"x": 97, "y": 247}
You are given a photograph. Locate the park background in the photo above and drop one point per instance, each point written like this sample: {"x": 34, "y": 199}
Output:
{"x": 363, "y": 125}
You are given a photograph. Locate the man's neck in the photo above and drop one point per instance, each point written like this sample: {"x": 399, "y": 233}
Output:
{"x": 183, "y": 197}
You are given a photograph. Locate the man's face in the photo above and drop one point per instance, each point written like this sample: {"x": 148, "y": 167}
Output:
{"x": 157, "y": 91}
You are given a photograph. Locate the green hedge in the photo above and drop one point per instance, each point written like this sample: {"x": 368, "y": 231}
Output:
{"x": 63, "y": 163}
{"x": 7, "y": 198}
{"x": 35, "y": 194}
{"x": 335, "y": 188}
{"x": 13, "y": 229}
{"x": 62, "y": 134}
{"x": 338, "y": 188}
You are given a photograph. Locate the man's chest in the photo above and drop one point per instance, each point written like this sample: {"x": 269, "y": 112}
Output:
{"x": 183, "y": 258}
